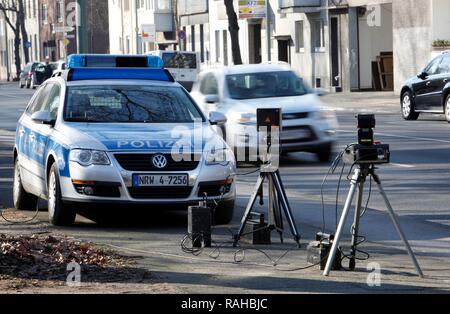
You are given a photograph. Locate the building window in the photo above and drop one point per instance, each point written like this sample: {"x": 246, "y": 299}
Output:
{"x": 299, "y": 37}
{"x": 126, "y": 5}
{"x": 225, "y": 47}
{"x": 59, "y": 11}
{"x": 217, "y": 37}
{"x": 34, "y": 9}
{"x": 193, "y": 37}
{"x": 44, "y": 14}
{"x": 318, "y": 35}
{"x": 202, "y": 44}
{"x": 128, "y": 44}
{"x": 36, "y": 45}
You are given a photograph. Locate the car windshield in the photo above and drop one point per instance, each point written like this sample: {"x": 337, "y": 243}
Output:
{"x": 130, "y": 104}
{"x": 175, "y": 60}
{"x": 265, "y": 85}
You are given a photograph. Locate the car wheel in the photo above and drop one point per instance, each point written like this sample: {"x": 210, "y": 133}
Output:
{"x": 20, "y": 84}
{"x": 408, "y": 111}
{"x": 59, "y": 215}
{"x": 224, "y": 213}
{"x": 447, "y": 108}
{"x": 324, "y": 154}
{"x": 32, "y": 86}
{"x": 22, "y": 200}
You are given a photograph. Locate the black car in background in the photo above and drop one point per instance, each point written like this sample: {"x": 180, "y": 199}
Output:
{"x": 429, "y": 92}
{"x": 26, "y": 75}
{"x": 34, "y": 74}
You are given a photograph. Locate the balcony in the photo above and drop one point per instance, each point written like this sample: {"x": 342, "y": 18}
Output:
{"x": 285, "y": 4}
{"x": 190, "y": 7}
{"x": 312, "y": 4}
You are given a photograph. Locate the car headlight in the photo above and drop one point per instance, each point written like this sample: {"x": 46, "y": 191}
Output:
{"x": 219, "y": 156}
{"x": 87, "y": 157}
{"x": 243, "y": 118}
{"x": 325, "y": 114}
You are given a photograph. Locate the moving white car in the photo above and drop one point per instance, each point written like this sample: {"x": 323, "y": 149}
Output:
{"x": 238, "y": 91}
{"x": 183, "y": 65}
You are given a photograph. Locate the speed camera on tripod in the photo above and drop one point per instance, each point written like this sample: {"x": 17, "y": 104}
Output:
{"x": 367, "y": 151}
{"x": 269, "y": 124}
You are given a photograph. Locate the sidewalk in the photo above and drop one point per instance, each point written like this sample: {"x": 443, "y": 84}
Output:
{"x": 377, "y": 102}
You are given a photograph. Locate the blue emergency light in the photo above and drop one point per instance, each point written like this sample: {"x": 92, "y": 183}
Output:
{"x": 113, "y": 61}
{"x": 115, "y": 67}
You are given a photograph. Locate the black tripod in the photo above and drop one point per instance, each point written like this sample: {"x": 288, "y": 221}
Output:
{"x": 278, "y": 203}
{"x": 357, "y": 183}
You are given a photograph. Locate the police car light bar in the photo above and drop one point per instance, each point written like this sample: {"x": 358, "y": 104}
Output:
{"x": 83, "y": 74}
{"x": 113, "y": 61}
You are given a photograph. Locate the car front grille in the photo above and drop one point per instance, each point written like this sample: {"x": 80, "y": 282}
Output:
{"x": 143, "y": 162}
{"x": 312, "y": 135}
{"x": 295, "y": 116}
{"x": 160, "y": 192}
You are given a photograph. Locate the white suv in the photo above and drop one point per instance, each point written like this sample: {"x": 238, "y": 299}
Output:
{"x": 238, "y": 91}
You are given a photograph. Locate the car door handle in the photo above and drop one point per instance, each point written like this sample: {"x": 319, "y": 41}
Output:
{"x": 32, "y": 136}
{"x": 445, "y": 80}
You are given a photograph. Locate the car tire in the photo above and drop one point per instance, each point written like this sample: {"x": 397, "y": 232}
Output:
{"x": 224, "y": 212}
{"x": 407, "y": 107}
{"x": 27, "y": 84}
{"x": 447, "y": 108}
{"x": 20, "y": 84}
{"x": 325, "y": 153}
{"x": 59, "y": 215}
{"x": 22, "y": 199}
{"x": 32, "y": 86}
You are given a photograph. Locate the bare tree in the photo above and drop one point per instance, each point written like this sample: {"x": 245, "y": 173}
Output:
{"x": 14, "y": 15}
{"x": 233, "y": 27}
{"x": 21, "y": 18}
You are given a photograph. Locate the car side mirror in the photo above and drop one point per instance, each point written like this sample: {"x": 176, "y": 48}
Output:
{"x": 43, "y": 117}
{"x": 422, "y": 75}
{"x": 217, "y": 118}
{"x": 211, "y": 99}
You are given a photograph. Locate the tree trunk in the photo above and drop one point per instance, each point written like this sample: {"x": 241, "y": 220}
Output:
{"x": 17, "y": 60}
{"x": 233, "y": 27}
{"x": 23, "y": 31}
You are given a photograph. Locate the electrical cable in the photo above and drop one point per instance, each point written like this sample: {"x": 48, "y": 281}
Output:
{"x": 19, "y": 222}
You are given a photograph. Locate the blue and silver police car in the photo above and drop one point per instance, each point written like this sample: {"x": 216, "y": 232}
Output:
{"x": 118, "y": 130}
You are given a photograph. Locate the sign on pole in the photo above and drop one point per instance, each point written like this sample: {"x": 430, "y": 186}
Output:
{"x": 252, "y": 9}
{"x": 64, "y": 29}
{"x": 148, "y": 33}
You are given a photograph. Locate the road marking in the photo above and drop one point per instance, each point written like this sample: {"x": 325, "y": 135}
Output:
{"x": 6, "y": 168}
{"x": 402, "y": 165}
{"x": 6, "y": 180}
{"x": 406, "y": 137}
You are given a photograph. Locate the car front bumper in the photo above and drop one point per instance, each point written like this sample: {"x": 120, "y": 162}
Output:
{"x": 113, "y": 185}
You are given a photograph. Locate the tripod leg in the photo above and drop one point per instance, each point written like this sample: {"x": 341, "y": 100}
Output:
{"x": 275, "y": 221}
{"x": 397, "y": 226}
{"x": 249, "y": 208}
{"x": 337, "y": 237}
{"x": 285, "y": 204}
{"x": 355, "y": 226}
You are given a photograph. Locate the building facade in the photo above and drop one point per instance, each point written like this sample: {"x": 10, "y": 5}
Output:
{"x": 128, "y": 18}
{"x": 339, "y": 45}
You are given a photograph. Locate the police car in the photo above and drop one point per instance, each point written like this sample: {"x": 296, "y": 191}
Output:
{"x": 118, "y": 130}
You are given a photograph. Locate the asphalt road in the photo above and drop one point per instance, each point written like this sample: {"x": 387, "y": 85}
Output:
{"x": 417, "y": 183}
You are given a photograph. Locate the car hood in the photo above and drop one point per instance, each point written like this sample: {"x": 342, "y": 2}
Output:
{"x": 305, "y": 103}
{"x": 153, "y": 137}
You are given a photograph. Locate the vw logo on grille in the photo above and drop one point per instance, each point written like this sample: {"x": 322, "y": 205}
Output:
{"x": 159, "y": 161}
